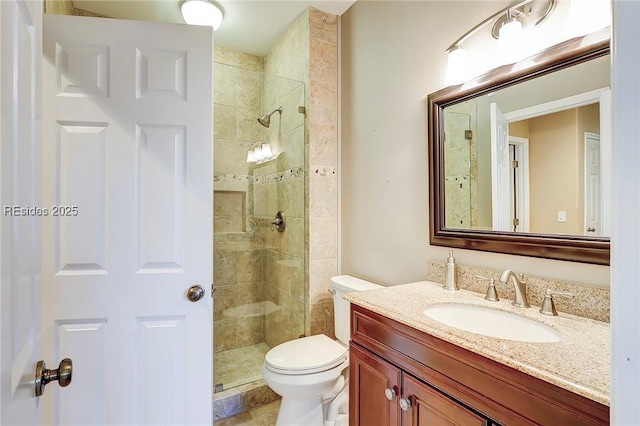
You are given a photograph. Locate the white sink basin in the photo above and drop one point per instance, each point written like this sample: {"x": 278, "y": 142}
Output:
{"x": 492, "y": 322}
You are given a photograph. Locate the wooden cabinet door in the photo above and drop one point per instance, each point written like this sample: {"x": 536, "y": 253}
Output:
{"x": 370, "y": 376}
{"x": 431, "y": 408}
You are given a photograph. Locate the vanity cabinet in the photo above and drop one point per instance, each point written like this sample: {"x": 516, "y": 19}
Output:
{"x": 403, "y": 376}
{"x": 384, "y": 395}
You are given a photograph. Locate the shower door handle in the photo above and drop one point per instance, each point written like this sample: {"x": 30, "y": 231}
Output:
{"x": 195, "y": 293}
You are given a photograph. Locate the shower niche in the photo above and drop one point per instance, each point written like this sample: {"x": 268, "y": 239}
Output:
{"x": 259, "y": 273}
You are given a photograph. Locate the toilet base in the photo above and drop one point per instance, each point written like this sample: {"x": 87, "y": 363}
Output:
{"x": 296, "y": 412}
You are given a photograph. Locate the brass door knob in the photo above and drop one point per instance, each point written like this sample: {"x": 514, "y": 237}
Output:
{"x": 62, "y": 374}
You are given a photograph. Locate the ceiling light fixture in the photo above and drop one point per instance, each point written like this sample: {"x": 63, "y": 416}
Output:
{"x": 202, "y": 12}
{"x": 508, "y": 25}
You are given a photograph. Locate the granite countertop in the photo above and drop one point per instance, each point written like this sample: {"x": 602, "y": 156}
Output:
{"x": 578, "y": 363}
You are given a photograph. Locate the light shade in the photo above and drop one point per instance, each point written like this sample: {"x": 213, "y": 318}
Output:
{"x": 202, "y": 12}
{"x": 588, "y": 16}
{"x": 511, "y": 46}
{"x": 266, "y": 151}
{"x": 457, "y": 67}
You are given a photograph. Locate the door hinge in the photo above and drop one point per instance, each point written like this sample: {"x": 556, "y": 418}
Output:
{"x": 516, "y": 221}
{"x": 468, "y": 134}
{"x": 213, "y": 289}
{"x": 514, "y": 164}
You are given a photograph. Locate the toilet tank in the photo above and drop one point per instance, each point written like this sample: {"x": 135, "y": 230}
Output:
{"x": 343, "y": 284}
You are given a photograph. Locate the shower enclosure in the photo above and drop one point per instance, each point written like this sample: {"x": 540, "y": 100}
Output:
{"x": 259, "y": 272}
{"x": 461, "y": 166}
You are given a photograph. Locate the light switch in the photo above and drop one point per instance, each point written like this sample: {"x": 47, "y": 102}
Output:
{"x": 562, "y": 216}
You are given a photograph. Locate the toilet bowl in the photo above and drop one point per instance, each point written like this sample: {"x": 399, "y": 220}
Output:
{"x": 309, "y": 372}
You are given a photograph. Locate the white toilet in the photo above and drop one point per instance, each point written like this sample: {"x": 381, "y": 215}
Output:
{"x": 307, "y": 372}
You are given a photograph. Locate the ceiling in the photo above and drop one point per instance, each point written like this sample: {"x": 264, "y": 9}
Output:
{"x": 250, "y": 26}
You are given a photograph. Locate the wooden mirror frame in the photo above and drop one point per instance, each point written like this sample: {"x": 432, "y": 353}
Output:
{"x": 561, "y": 247}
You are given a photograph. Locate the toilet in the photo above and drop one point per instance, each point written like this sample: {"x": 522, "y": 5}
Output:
{"x": 308, "y": 372}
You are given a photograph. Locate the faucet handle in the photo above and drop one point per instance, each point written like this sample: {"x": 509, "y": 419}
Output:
{"x": 548, "y": 306}
{"x": 492, "y": 294}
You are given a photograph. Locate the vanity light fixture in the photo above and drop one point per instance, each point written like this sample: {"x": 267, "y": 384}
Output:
{"x": 508, "y": 25}
{"x": 588, "y": 16}
{"x": 202, "y": 12}
{"x": 259, "y": 153}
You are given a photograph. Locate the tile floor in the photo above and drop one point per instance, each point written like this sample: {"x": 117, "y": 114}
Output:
{"x": 265, "y": 415}
{"x": 239, "y": 366}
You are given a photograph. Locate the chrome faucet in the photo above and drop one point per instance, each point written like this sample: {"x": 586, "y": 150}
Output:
{"x": 519, "y": 285}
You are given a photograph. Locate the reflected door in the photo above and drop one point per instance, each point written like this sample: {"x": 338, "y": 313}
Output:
{"x": 501, "y": 218}
{"x": 593, "y": 186}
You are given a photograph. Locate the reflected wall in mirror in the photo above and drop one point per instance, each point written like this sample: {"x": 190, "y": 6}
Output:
{"x": 520, "y": 160}
{"x": 546, "y": 175}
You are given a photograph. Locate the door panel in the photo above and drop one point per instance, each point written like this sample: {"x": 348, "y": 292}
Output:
{"x": 369, "y": 377}
{"x": 85, "y": 342}
{"x": 431, "y": 408}
{"x": 20, "y": 38}
{"x": 128, "y": 155}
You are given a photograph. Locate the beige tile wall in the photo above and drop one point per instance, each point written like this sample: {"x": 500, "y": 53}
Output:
{"x": 285, "y": 67}
{"x": 238, "y": 250}
{"x": 308, "y": 52}
{"x": 323, "y": 161}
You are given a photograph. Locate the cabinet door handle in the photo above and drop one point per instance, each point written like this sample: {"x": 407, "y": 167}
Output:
{"x": 405, "y": 404}
{"x": 390, "y": 393}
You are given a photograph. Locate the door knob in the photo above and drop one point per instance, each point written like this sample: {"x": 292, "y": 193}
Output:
{"x": 62, "y": 374}
{"x": 195, "y": 293}
{"x": 405, "y": 404}
{"x": 390, "y": 393}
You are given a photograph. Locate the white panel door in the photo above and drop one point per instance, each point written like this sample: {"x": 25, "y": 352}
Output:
{"x": 592, "y": 186}
{"x": 20, "y": 41}
{"x": 501, "y": 218}
{"x": 128, "y": 170}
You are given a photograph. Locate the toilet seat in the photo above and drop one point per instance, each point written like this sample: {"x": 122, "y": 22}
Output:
{"x": 306, "y": 355}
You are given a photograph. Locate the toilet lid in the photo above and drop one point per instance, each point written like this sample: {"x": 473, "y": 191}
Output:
{"x": 315, "y": 353}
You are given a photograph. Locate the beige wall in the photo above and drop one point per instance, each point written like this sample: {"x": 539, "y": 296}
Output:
{"x": 555, "y": 166}
{"x": 393, "y": 55}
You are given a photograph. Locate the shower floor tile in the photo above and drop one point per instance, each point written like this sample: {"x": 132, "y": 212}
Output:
{"x": 239, "y": 366}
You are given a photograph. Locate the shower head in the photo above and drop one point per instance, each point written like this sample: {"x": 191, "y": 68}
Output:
{"x": 265, "y": 120}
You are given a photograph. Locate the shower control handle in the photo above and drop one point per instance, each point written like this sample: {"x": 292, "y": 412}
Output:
{"x": 279, "y": 222}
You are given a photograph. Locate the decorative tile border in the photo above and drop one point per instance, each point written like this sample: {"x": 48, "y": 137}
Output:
{"x": 229, "y": 177}
{"x": 590, "y": 302}
{"x": 282, "y": 176}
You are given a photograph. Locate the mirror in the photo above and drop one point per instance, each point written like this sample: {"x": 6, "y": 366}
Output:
{"x": 520, "y": 159}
